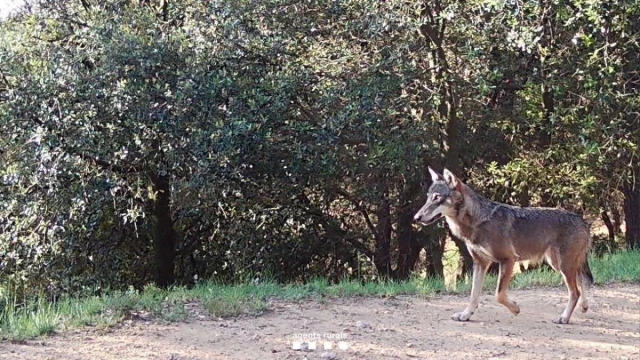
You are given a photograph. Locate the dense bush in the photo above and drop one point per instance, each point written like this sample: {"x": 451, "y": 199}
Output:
{"x": 170, "y": 141}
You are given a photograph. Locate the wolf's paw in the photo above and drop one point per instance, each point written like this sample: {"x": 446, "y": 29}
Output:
{"x": 462, "y": 316}
{"x": 584, "y": 306}
{"x": 515, "y": 309}
{"x": 561, "y": 320}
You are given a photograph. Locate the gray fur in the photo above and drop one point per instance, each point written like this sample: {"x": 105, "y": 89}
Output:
{"x": 496, "y": 232}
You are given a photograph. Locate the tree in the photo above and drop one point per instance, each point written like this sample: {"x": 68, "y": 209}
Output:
{"x": 168, "y": 141}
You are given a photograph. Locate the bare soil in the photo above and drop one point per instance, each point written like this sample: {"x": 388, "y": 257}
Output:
{"x": 402, "y": 327}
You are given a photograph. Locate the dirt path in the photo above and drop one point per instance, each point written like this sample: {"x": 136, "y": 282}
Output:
{"x": 393, "y": 328}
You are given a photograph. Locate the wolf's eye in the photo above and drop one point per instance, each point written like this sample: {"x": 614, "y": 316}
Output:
{"x": 436, "y": 197}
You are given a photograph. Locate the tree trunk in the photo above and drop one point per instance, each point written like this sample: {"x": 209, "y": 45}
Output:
{"x": 631, "y": 189}
{"x": 465, "y": 256}
{"x": 632, "y": 213}
{"x": 435, "y": 251}
{"x": 544, "y": 134}
{"x": 547, "y": 41}
{"x": 610, "y": 228}
{"x": 452, "y": 163}
{"x": 434, "y": 31}
{"x": 382, "y": 258}
{"x": 617, "y": 219}
{"x": 408, "y": 246}
{"x": 164, "y": 236}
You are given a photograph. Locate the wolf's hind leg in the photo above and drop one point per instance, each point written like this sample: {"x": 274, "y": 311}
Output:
{"x": 570, "y": 278}
{"x": 583, "y": 285}
{"x": 585, "y": 280}
{"x": 570, "y": 275}
{"x": 506, "y": 270}
{"x": 480, "y": 267}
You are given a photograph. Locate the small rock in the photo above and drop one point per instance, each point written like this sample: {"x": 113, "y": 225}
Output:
{"x": 328, "y": 355}
{"x": 362, "y": 324}
{"x": 410, "y": 345}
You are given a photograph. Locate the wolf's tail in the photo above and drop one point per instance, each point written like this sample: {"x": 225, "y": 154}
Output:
{"x": 586, "y": 271}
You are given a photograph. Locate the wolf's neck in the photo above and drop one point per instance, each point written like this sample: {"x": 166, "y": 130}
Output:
{"x": 473, "y": 211}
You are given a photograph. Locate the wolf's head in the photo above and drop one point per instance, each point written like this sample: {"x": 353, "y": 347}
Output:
{"x": 445, "y": 197}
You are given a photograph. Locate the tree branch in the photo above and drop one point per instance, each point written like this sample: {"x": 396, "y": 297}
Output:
{"x": 361, "y": 209}
{"x": 360, "y": 246}
{"x": 128, "y": 169}
{"x": 104, "y": 164}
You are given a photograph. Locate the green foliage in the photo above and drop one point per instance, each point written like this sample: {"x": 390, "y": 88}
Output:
{"x": 293, "y": 137}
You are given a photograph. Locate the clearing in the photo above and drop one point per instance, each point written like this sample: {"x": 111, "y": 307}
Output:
{"x": 401, "y": 327}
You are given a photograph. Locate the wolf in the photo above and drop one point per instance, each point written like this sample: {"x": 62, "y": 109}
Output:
{"x": 496, "y": 232}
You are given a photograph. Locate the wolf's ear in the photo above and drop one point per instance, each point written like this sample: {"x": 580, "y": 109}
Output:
{"x": 453, "y": 181}
{"x": 434, "y": 175}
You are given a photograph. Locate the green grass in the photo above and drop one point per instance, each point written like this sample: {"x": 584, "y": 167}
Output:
{"x": 40, "y": 318}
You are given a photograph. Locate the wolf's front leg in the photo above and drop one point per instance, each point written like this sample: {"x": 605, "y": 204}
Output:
{"x": 480, "y": 267}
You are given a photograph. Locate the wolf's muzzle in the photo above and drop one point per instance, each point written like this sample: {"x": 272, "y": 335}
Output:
{"x": 418, "y": 218}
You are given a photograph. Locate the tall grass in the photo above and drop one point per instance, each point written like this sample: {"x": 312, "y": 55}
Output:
{"x": 40, "y": 317}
